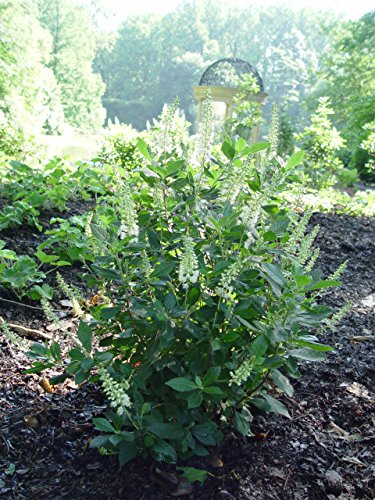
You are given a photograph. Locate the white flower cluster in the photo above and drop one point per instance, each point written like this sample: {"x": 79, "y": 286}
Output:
{"x": 330, "y": 323}
{"x": 170, "y": 132}
{"x": 339, "y": 271}
{"x": 273, "y": 135}
{"x": 305, "y": 251}
{"x": 129, "y": 220}
{"x": 235, "y": 182}
{"x": 115, "y": 391}
{"x": 159, "y": 198}
{"x": 49, "y": 312}
{"x": 243, "y": 372}
{"x": 188, "y": 271}
{"x": 297, "y": 236}
{"x": 145, "y": 264}
{"x": 73, "y": 295}
{"x": 250, "y": 216}
{"x": 88, "y": 231}
{"x": 12, "y": 337}
{"x": 311, "y": 263}
{"x": 206, "y": 130}
{"x": 225, "y": 287}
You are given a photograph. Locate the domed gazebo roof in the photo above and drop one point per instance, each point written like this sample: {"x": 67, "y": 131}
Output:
{"x": 228, "y": 72}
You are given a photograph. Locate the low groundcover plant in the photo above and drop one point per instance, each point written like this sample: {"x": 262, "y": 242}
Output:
{"x": 211, "y": 301}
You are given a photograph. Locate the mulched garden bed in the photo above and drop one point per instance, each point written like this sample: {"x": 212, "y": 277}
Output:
{"x": 324, "y": 451}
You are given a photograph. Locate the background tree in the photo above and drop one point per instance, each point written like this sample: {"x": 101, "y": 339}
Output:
{"x": 29, "y": 95}
{"x": 155, "y": 58}
{"x": 73, "y": 51}
{"x": 347, "y": 77}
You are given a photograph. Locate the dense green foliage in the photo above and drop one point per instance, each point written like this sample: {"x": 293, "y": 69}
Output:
{"x": 347, "y": 77}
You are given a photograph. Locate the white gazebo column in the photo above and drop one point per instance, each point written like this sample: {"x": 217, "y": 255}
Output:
{"x": 228, "y": 110}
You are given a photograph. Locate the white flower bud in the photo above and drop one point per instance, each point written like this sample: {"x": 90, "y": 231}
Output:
{"x": 188, "y": 271}
{"x": 115, "y": 391}
{"x": 129, "y": 220}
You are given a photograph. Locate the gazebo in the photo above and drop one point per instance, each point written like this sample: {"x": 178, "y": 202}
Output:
{"x": 222, "y": 79}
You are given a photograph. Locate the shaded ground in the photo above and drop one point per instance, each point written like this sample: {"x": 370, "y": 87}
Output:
{"x": 324, "y": 451}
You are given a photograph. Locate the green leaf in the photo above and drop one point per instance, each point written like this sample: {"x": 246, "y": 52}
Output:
{"x": 193, "y": 296}
{"x": 39, "y": 366}
{"x": 166, "y": 430}
{"x": 200, "y": 451}
{"x": 128, "y": 451}
{"x": 240, "y": 144}
{"x": 212, "y": 375}
{"x": 324, "y": 284}
{"x": 276, "y": 406}
{"x": 215, "y": 391}
{"x": 294, "y": 160}
{"x": 73, "y": 367}
{"x": 109, "y": 274}
{"x": 55, "y": 351}
{"x": 81, "y": 376}
{"x": 37, "y": 292}
{"x": 143, "y": 148}
{"x": 255, "y": 148}
{"x": 228, "y": 150}
{"x": 231, "y": 337}
{"x": 59, "y": 379}
{"x": 8, "y": 254}
{"x": 302, "y": 281}
{"x": 110, "y": 312}
{"x": 21, "y": 272}
{"x": 153, "y": 239}
{"x": 307, "y": 354}
{"x": 170, "y": 301}
{"x": 173, "y": 167}
{"x": 76, "y": 354}
{"x": 192, "y": 474}
{"x": 282, "y": 382}
{"x": 164, "y": 452}
{"x": 163, "y": 269}
{"x": 38, "y": 351}
{"x": 271, "y": 209}
{"x": 270, "y": 236}
{"x": 195, "y": 399}
{"x": 84, "y": 335}
{"x": 102, "y": 424}
{"x": 242, "y": 421}
{"x": 274, "y": 272}
{"x": 313, "y": 345}
{"x": 44, "y": 258}
{"x": 99, "y": 232}
{"x": 259, "y": 346}
{"x": 182, "y": 384}
{"x": 99, "y": 441}
{"x": 207, "y": 433}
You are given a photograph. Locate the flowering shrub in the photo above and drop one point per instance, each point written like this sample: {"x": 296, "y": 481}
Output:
{"x": 118, "y": 146}
{"x": 209, "y": 301}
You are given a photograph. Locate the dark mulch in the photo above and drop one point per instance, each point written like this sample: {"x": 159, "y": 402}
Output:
{"x": 324, "y": 451}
